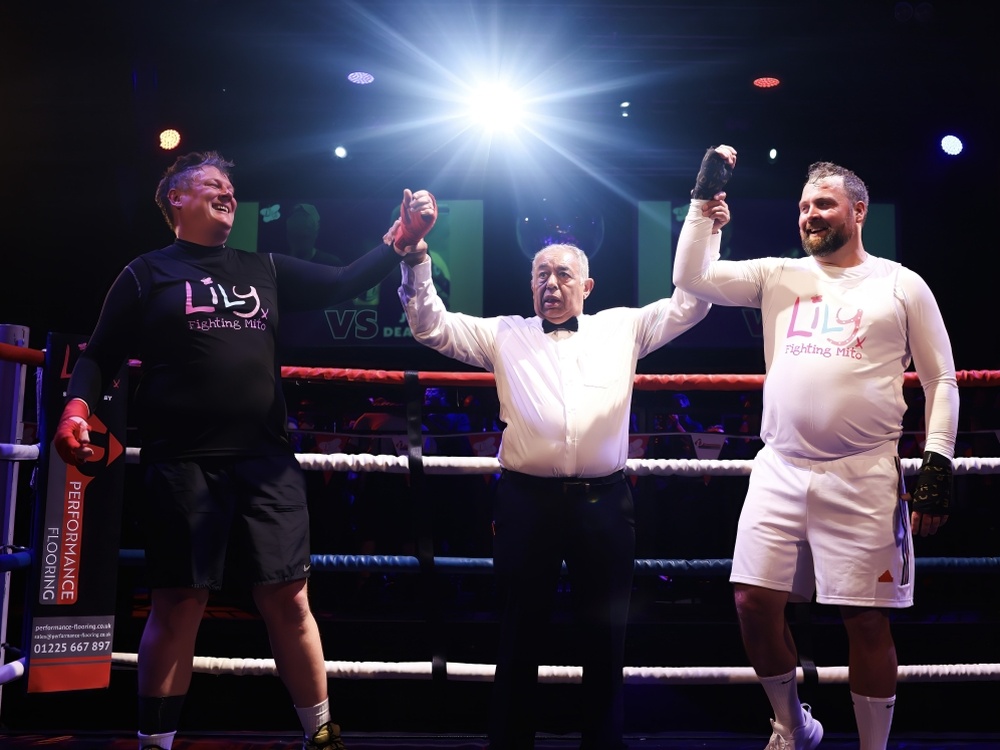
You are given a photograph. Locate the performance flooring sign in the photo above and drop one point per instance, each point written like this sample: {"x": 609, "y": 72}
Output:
{"x": 77, "y": 527}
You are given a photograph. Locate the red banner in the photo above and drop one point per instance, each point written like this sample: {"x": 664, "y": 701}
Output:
{"x": 77, "y": 525}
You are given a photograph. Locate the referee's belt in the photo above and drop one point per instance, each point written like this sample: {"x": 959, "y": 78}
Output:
{"x": 564, "y": 484}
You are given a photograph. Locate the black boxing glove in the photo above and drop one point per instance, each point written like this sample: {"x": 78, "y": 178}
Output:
{"x": 712, "y": 176}
{"x": 933, "y": 492}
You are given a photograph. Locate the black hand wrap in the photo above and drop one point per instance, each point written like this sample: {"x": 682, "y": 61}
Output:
{"x": 712, "y": 177}
{"x": 932, "y": 494}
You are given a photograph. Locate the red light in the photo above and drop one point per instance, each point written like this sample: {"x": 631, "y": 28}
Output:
{"x": 766, "y": 82}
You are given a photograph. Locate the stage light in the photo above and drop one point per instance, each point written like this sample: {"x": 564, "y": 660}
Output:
{"x": 624, "y": 108}
{"x": 360, "y": 77}
{"x": 952, "y": 145}
{"x": 495, "y": 107}
{"x": 772, "y": 155}
{"x": 766, "y": 82}
{"x": 340, "y": 152}
{"x": 169, "y": 139}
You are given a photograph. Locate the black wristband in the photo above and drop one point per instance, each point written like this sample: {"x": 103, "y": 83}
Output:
{"x": 936, "y": 459}
{"x": 934, "y": 488}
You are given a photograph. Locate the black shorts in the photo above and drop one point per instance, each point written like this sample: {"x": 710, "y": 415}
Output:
{"x": 251, "y": 512}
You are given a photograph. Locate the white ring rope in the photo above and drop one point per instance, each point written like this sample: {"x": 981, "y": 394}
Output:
{"x": 637, "y": 466}
{"x": 459, "y": 671}
{"x": 12, "y": 670}
{"x": 19, "y": 452}
{"x": 366, "y": 462}
{"x": 464, "y": 672}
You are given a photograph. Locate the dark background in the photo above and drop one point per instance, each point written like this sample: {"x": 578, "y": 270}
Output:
{"x": 870, "y": 84}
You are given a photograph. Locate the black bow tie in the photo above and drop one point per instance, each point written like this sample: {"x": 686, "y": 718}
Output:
{"x": 567, "y": 325}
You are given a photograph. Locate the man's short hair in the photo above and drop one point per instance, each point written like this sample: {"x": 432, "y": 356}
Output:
{"x": 854, "y": 186}
{"x": 581, "y": 257}
{"x": 179, "y": 174}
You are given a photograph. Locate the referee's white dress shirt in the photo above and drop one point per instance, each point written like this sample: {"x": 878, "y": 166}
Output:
{"x": 564, "y": 396}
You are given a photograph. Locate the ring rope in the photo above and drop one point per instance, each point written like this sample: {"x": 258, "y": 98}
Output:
{"x": 460, "y": 465}
{"x": 466, "y": 672}
{"x": 640, "y": 467}
{"x": 643, "y": 382}
{"x": 705, "y": 568}
{"x": 725, "y": 382}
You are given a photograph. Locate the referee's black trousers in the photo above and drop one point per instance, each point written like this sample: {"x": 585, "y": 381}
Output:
{"x": 539, "y": 523}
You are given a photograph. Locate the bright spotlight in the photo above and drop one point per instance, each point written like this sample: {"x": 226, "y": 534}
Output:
{"x": 772, "y": 155}
{"x": 340, "y": 152}
{"x": 496, "y": 107}
{"x": 169, "y": 139}
{"x": 951, "y": 145}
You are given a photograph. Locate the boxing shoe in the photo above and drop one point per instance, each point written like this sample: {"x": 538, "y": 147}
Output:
{"x": 805, "y": 737}
{"x": 327, "y": 737}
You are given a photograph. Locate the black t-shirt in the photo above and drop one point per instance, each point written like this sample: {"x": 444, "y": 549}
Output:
{"x": 204, "y": 322}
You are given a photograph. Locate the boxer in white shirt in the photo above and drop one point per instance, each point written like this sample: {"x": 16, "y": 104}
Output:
{"x": 826, "y": 509}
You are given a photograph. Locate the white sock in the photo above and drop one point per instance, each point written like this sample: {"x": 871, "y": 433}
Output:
{"x": 314, "y": 717}
{"x": 874, "y": 717}
{"x": 165, "y": 740}
{"x": 783, "y": 692}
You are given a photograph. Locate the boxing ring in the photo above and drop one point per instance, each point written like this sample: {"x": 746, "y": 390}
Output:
{"x": 410, "y": 460}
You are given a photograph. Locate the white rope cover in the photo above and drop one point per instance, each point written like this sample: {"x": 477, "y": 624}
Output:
{"x": 18, "y": 452}
{"x": 365, "y": 462}
{"x": 637, "y": 466}
{"x": 464, "y": 672}
{"x": 11, "y": 671}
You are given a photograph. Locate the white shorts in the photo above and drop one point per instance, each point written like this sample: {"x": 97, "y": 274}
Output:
{"x": 837, "y": 527}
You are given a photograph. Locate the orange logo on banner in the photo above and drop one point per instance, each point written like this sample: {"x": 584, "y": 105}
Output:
{"x": 114, "y": 448}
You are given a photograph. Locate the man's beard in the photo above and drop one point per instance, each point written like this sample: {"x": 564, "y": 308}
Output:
{"x": 828, "y": 244}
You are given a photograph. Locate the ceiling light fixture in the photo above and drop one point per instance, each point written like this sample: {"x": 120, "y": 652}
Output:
{"x": 360, "y": 77}
{"x": 169, "y": 139}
